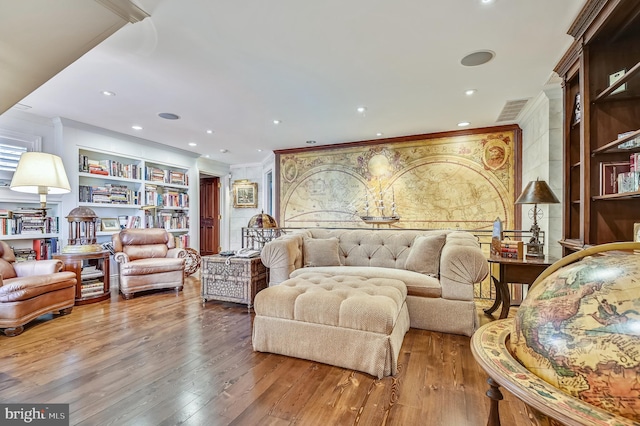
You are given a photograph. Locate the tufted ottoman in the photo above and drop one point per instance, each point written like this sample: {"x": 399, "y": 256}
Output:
{"x": 347, "y": 321}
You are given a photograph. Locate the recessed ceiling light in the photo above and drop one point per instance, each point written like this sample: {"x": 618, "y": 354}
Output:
{"x": 470, "y": 92}
{"x": 209, "y": 131}
{"x": 463, "y": 124}
{"x": 477, "y": 58}
{"x": 379, "y": 134}
{"x": 169, "y": 116}
{"x": 487, "y": 1}
{"x": 259, "y": 150}
{"x": 311, "y": 142}
{"x": 193, "y": 144}
{"x": 361, "y": 109}
{"x": 277, "y": 121}
{"x": 136, "y": 127}
{"x": 224, "y": 151}
{"x": 108, "y": 93}
{"x": 207, "y": 156}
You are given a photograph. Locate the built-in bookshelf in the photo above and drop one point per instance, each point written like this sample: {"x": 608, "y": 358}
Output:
{"x": 601, "y": 81}
{"x": 136, "y": 192}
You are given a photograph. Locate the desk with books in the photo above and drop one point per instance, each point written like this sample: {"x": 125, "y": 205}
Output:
{"x": 513, "y": 270}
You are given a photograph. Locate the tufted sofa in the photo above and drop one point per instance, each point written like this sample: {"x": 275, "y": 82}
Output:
{"x": 438, "y": 268}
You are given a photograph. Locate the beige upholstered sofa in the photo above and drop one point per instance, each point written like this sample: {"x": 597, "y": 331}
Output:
{"x": 439, "y": 268}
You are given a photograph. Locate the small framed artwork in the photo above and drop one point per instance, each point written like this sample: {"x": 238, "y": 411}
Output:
{"x": 636, "y": 232}
{"x": 245, "y": 194}
{"x": 110, "y": 224}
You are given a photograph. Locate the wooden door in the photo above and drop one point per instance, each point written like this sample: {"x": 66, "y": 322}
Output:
{"x": 209, "y": 216}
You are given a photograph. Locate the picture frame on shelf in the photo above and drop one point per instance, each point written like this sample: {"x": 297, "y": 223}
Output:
{"x": 609, "y": 171}
{"x": 109, "y": 224}
{"x": 636, "y": 232}
{"x": 245, "y": 194}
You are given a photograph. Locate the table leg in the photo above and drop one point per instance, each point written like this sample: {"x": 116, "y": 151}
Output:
{"x": 498, "y": 299}
{"x": 506, "y": 299}
{"x": 496, "y": 396}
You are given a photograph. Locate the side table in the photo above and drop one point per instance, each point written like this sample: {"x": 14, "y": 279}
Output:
{"x": 521, "y": 271}
{"x": 92, "y": 280}
{"x": 232, "y": 279}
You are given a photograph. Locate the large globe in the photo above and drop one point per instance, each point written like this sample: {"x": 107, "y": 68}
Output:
{"x": 579, "y": 330}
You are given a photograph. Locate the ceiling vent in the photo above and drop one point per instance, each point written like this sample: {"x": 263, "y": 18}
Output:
{"x": 512, "y": 109}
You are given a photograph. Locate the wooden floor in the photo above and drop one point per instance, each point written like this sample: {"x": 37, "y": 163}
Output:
{"x": 164, "y": 359}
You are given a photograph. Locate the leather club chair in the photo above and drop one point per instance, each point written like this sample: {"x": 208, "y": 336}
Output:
{"x": 31, "y": 289}
{"x": 149, "y": 260}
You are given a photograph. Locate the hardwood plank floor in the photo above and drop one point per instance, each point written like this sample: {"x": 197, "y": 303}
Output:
{"x": 165, "y": 359}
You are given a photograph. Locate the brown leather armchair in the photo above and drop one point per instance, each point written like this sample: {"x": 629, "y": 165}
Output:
{"x": 30, "y": 289}
{"x": 148, "y": 260}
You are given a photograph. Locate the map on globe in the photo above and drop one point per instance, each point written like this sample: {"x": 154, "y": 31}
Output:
{"x": 579, "y": 330}
{"x": 461, "y": 182}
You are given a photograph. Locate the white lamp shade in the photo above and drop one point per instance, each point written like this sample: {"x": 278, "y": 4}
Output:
{"x": 40, "y": 173}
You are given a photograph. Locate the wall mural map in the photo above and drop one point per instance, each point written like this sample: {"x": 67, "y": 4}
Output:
{"x": 461, "y": 182}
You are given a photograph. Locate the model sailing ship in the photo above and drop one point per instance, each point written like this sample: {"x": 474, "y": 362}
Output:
{"x": 381, "y": 218}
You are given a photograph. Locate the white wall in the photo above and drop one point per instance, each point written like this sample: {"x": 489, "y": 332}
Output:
{"x": 541, "y": 124}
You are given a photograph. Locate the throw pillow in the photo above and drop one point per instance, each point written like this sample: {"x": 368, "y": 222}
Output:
{"x": 425, "y": 254}
{"x": 321, "y": 252}
{"x": 6, "y": 270}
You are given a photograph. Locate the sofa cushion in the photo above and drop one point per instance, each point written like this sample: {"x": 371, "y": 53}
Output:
{"x": 417, "y": 284}
{"x": 6, "y": 270}
{"x": 151, "y": 266}
{"x": 425, "y": 254}
{"x": 321, "y": 252}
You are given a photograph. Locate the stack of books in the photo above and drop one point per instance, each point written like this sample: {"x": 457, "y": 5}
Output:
{"x": 512, "y": 249}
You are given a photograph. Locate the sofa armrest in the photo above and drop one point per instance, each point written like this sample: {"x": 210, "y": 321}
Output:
{"x": 462, "y": 264}
{"x": 177, "y": 252}
{"x": 121, "y": 257}
{"x": 37, "y": 267}
{"x": 280, "y": 257}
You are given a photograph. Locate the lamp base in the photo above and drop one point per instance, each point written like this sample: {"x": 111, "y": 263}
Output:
{"x": 535, "y": 250}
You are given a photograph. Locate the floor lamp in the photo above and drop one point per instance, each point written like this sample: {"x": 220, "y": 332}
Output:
{"x": 536, "y": 192}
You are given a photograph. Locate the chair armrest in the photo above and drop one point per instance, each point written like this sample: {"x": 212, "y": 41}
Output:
{"x": 462, "y": 264}
{"x": 177, "y": 252}
{"x": 280, "y": 256}
{"x": 37, "y": 267}
{"x": 24, "y": 288}
{"x": 121, "y": 257}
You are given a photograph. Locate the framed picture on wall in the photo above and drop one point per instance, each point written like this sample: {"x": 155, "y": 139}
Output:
{"x": 245, "y": 194}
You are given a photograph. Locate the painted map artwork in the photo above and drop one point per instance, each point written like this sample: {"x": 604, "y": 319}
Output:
{"x": 461, "y": 182}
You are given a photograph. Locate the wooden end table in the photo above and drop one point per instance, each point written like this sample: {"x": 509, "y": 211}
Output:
{"x": 521, "y": 271}
{"x": 93, "y": 282}
{"x": 233, "y": 279}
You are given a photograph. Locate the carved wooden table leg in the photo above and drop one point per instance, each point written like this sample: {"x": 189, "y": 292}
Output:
{"x": 496, "y": 396}
{"x": 498, "y": 299}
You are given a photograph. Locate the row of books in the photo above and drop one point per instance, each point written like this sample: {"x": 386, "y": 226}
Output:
{"x": 26, "y": 221}
{"x": 182, "y": 241}
{"x": 109, "y": 168}
{"x": 108, "y": 194}
{"x": 156, "y": 174}
{"x": 45, "y": 248}
{"x": 167, "y": 198}
{"x": 167, "y": 220}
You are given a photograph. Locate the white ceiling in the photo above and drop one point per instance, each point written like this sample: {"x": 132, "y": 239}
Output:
{"x": 235, "y": 66}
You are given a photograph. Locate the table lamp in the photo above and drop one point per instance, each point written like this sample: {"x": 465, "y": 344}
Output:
{"x": 40, "y": 173}
{"x": 536, "y": 192}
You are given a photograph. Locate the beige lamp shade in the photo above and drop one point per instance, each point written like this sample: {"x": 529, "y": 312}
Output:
{"x": 40, "y": 173}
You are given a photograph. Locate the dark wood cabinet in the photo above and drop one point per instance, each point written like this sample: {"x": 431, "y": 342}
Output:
{"x": 601, "y": 72}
